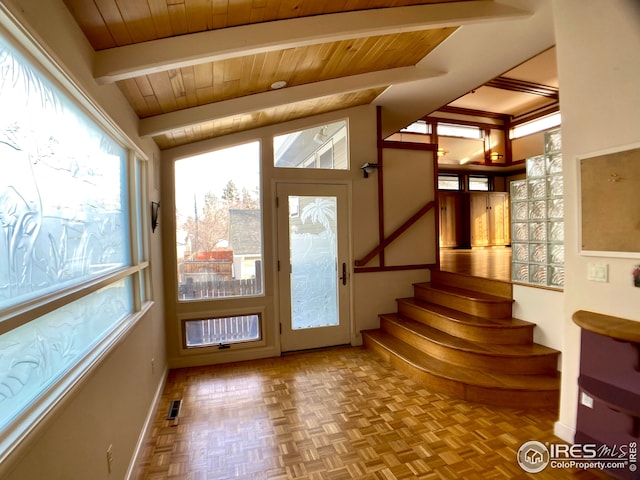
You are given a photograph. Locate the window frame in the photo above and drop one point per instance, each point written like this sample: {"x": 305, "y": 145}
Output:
{"x": 137, "y": 269}
{"x": 537, "y": 125}
{"x": 450, "y": 130}
{"x": 451, "y": 175}
{"x": 488, "y": 178}
{"x": 176, "y": 283}
{"x": 183, "y": 318}
{"x": 312, "y": 161}
{"x": 421, "y": 127}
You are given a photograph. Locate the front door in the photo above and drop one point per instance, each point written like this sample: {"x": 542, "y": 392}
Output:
{"x": 313, "y": 265}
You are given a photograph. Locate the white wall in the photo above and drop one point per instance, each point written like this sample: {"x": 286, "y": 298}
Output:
{"x": 545, "y": 308}
{"x": 598, "y": 48}
{"x": 408, "y": 185}
{"x": 111, "y": 403}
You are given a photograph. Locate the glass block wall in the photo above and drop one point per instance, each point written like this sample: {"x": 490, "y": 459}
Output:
{"x": 537, "y": 223}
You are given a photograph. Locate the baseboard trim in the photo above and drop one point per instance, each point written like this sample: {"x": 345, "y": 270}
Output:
{"x": 146, "y": 429}
{"x": 565, "y": 432}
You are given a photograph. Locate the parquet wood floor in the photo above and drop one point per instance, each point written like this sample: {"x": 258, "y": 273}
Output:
{"x": 332, "y": 414}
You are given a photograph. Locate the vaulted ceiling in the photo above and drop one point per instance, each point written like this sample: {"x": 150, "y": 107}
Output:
{"x": 198, "y": 69}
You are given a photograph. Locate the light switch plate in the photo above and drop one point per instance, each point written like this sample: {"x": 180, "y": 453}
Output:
{"x": 598, "y": 272}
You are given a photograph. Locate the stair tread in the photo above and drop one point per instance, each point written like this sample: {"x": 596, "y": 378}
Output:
{"x": 461, "y": 317}
{"x": 472, "y": 282}
{"x": 458, "y": 343}
{"x": 464, "y": 293}
{"x": 465, "y": 375}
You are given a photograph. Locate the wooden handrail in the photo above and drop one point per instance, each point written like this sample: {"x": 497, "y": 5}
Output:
{"x": 398, "y": 231}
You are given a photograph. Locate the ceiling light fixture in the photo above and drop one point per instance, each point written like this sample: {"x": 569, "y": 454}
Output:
{"x": 278, "y": 85}
{"x": 493, "y": 156}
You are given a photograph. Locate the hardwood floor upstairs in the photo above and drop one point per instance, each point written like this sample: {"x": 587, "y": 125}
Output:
{"x": 457, "y": 336}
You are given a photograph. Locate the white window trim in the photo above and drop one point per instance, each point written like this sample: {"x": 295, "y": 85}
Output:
{"x": 20, "y": 430}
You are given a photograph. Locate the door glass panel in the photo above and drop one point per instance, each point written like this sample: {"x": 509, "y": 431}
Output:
{"x": 314, "y": 260}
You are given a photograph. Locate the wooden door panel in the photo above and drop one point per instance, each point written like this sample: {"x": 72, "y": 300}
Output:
{"x": 479, "y": 219}
{"x": 450, "y": 203}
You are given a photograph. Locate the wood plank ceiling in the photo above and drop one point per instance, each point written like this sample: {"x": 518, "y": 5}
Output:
{"x": 157, "y": 51}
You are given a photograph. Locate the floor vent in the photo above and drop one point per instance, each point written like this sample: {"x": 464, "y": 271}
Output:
{"x": 174, "y": 409}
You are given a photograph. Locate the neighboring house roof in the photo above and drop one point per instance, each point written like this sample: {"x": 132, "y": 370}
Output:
{"x": 244, "y": 232}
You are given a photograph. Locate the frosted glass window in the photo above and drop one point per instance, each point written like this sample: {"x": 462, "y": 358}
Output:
{"x": 313, "y": 242}
{"x": 38, "y": 353}
{"x": 63, "y": 189}
{"x": 66, "y": 266}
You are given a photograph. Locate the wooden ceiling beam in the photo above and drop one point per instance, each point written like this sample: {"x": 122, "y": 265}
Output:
{"x": 167, "y": 122}
{"x": 144, "y": 58}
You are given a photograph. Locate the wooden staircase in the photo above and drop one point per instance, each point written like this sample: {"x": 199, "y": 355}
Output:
{"x": 457, "y": 336}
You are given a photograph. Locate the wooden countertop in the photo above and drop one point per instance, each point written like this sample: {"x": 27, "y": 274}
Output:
{"x": 614, "y": 327}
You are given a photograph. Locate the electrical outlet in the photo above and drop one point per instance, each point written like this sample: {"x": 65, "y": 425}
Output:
{"x": 586, "y": 400}
{"x": 109, "y": 458}
{"x": 153, "y": 365}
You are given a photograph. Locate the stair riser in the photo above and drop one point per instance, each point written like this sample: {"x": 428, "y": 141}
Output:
{"x": 484, "y": 285}
{"x": 537, "y": 364}
{"x": 433, "y": 382}
{"x": 491, "y": 396}
{"x": 470, "y": 306}
{"x": 500, "y": 335}
{"x": 511, "y": 398}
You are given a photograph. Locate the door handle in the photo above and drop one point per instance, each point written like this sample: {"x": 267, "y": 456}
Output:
{"x": 344, "y": 274}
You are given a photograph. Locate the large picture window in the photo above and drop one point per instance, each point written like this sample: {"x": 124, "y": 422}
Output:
{"x": 72, "y": 269}
{"x": 219, "y": 224}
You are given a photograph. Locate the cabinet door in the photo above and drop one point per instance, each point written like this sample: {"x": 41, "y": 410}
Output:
{"x": 479, "y": 212}
{"x": 449, "y": 218}
{"x": 498, "y": 218}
